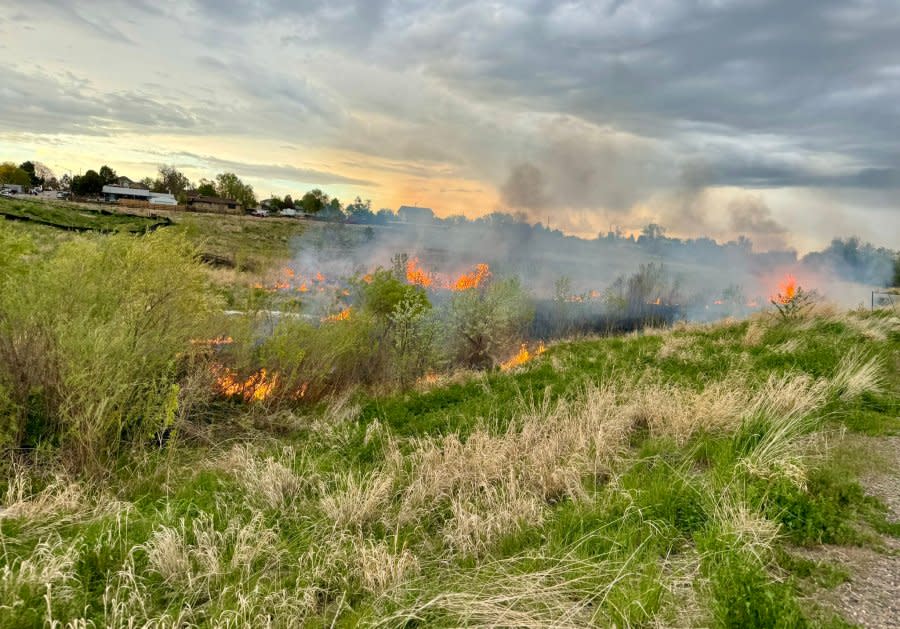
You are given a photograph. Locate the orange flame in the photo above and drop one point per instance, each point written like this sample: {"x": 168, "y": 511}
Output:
{"x": 219, "y": 340}
{"x": 467, "y": 281}
{"x": 522, "y": 357}
{"x": 256, "y": 388}
{"x": 787, "y": 291}
{"x": 343, "y": 315}
{"x": 415, "y": 274}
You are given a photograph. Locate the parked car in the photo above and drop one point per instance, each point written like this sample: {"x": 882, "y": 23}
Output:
{"x": 6, "y": 193}
{"x": 62, "y": 195}
{"x": 260, "y": 212}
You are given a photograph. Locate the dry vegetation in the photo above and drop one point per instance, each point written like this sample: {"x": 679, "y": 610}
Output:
{"x": 658, "y": 479}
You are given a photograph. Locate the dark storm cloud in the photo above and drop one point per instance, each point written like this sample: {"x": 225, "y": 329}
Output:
{"x": 817, "y": 75}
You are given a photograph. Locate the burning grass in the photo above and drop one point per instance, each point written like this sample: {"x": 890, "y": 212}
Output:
{"x": 597, "y": 494}
{"x": 596, "y": 485}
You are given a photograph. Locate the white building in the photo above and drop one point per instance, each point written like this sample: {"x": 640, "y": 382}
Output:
{"x": 115, "y": 193}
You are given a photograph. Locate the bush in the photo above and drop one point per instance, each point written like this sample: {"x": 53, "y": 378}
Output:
{"x": 483, "y": 325}
{"x": 92, "y": 339}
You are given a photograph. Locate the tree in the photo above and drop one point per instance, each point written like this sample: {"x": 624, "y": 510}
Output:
{"x": 206, "y": 188}
{"x": 314, "y": 201}
{"x": 88, "y": 184}
{"x": 288, "y": 202}
{"x": 28, "y": 167}
{"x": 12, "y": 174}
{"x": 360, "y": 211}
{"x": 653, "y": 231}
{"x": 229, "y": 186}
{"x": 173, "y": 182}
{"x": 333, "y": 211}
{"x": 108, "y": 175}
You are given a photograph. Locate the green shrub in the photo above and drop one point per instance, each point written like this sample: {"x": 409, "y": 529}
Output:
{"x": 744, "y": 594}
{"x": 483, "y": 325}
{"x": 92, "y": 339}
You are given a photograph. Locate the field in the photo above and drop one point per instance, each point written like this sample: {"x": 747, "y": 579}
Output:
{"x": 698, "y": 475}
{"x": 75, "y": 218}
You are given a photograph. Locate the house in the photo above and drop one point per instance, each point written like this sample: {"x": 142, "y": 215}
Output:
{"x": 413, "y": 214}
{"x": 215, "y": 205}
{"x": 115, "y": 194}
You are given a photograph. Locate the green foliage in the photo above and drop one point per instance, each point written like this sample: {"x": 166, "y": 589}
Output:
{"x": 12, "y": 174}
{"x": 484, "y": 324}
{"x": 385, "y": 292}
{"x": 77, "y": 218}
{"x": 92, "y": 341}
{"x": 744, "y": 594}
{"x": 230, "y": 186}
{"x": 88, "y": 184}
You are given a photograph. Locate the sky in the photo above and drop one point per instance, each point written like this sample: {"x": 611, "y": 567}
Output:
{"x": 772, "y": 119}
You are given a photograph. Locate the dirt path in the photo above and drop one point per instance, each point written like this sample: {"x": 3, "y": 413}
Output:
{"x": 871, "y": 598}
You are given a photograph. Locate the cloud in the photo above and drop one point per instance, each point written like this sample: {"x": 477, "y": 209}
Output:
{"x": 588, "y": 108}
{"x": 266, "y": 171}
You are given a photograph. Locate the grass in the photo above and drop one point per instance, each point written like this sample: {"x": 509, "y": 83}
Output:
{"x": 659, "y": 478}
{"x": 71, "y": 217}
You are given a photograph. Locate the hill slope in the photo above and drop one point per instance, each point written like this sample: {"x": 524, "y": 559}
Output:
{"x": 671, "y": 477}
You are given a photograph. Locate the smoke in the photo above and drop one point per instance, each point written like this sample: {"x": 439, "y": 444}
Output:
{"x": 574, "y": 166}
{"x": 751, "y": 216}
{"x": 525, "y": 188}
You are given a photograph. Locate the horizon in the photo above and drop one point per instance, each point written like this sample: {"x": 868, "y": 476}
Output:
{"x": 717, "y": 120}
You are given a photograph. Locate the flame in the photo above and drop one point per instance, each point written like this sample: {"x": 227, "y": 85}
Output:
{"x": 320, "y": 278}
{"x": 367, "y": 278}
{"x": 288, "y": 272}
{"x": 467, "y": 281}
{"x": 718, "y": 302}
{"x": 219, "y": 340}
{"x": 415, "y": 274}
{"x": 303, "y": 288}
{"x": 343, "y": 315}
{"x": 787, "y": 291}
{"x": 256, "y": 388}
{"x": 522, "y": 357}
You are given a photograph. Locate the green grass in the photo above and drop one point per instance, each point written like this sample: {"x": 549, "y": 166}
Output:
{"x": 72, "y": 217}
{"x": 450, "y": 507}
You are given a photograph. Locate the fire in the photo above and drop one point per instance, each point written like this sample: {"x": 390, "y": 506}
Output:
{"x": 320, "y": 278}
{"x": 288, "y": 272}
{"x": 303, "y": 288}
{"x": 343, "y": 315}
{"x": 467, "y": 281}
{"x": 256, "y": 388}
{"x": 415, "y": 274}
{"x": 522, "y": 357}
{"x": 219, "y": 340}
{"x": 787, "y": 291}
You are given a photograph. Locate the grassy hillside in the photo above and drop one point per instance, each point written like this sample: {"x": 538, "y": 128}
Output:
{"x": 77, "y": 218}
{"x": 667, "y": 478}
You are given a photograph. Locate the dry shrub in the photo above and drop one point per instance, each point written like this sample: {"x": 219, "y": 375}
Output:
{"x": 193, "y": 558}
{"x": 756, "y": 330}
{"x": 267, "y": 482}
{"x": 358, "y": 501}
{"x": 679, "y": 347}
{"x": 856, "y": 374}
{"x": 382, "y": 568}
{"x": 479, "y": 520}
